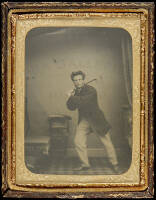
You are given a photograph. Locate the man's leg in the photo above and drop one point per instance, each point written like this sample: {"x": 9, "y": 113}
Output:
{"x": 81, "y": 142}
{"x": 106, "y": 140}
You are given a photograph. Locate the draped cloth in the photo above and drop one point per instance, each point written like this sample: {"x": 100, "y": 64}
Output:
{"x": 126, "y": 50}
{"x": 127, "y": 62}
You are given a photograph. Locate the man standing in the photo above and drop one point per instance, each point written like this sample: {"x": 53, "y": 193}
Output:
{"x": 91, "y": 118}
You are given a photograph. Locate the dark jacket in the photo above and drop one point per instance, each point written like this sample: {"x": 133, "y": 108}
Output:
{"x": 86, "y": 103}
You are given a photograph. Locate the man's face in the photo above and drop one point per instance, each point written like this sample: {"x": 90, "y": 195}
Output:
{"x": 78, "y": 81}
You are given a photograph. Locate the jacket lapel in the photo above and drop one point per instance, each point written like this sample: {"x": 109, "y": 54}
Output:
{"x": 81, "y": 91}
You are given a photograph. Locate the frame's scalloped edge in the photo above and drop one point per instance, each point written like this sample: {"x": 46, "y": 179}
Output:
{"x": 16, "y": 191}
{"x": 6, "y": 191}
{"x": 151, "y": 63}
{"x": 73, "y": 195}
{"x": 77, "y": 4}
{"x": 4, "y": 11}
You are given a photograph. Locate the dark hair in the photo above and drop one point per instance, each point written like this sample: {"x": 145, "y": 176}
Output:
{"x": 77, "y": 73}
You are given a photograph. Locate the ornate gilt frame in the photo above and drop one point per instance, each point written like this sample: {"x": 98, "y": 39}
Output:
{"x": 11, "y": 13}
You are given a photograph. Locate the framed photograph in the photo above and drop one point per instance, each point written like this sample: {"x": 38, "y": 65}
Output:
{"x": 77, "y": 100}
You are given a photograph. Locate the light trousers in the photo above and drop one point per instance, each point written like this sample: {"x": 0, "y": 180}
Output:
{"x": 83, "y": 129}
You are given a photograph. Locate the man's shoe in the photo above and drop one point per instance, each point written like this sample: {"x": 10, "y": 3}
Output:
{"x": 81, "y": 168}
{"x": 116, "y": 169}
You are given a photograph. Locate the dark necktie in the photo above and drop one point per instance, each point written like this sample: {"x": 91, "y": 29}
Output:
{"x": 78, "y": 90}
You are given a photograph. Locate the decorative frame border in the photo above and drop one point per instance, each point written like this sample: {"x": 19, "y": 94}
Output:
{"x": 9, "y": 13}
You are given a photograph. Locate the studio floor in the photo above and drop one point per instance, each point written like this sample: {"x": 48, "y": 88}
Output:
{"x": 66, "y": 165}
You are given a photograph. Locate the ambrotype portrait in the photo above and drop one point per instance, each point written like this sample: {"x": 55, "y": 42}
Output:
{"x": 77, "y": 99}
{"x": 78, "y": 102}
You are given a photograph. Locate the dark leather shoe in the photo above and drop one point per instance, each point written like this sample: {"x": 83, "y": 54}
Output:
{"x": 116, "y": 169}
{"x": 81, "y": 168}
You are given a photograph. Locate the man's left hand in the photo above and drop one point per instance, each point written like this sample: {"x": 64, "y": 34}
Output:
{"x": 71, "y": 93}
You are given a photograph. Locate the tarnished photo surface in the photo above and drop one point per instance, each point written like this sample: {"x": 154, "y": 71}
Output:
{"x": 77, "y": 99}
{"x": 89, "y": 131}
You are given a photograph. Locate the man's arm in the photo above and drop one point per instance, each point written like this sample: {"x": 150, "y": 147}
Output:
{"x": 75, "y": 102}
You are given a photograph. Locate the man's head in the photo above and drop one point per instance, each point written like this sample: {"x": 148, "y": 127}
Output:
{"x": 78, "y": 79}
